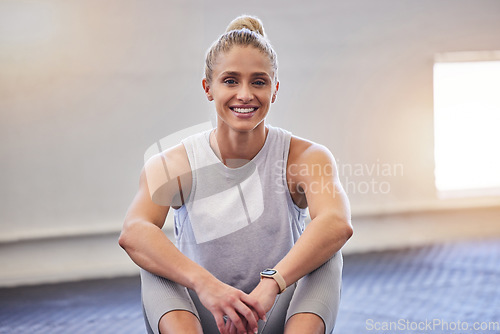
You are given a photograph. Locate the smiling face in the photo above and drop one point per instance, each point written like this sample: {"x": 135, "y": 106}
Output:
{"x": 242, "y": 88}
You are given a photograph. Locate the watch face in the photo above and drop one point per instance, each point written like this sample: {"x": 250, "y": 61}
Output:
{"x": 269, "y": 272}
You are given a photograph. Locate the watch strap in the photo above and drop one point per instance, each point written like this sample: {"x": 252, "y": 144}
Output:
{"x": 277, "y": 277}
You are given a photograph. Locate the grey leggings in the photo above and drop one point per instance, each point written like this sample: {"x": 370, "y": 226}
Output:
{"x": 317, "y": 292}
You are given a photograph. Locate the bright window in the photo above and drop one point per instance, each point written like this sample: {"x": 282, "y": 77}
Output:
{"x": 467, "y": 123}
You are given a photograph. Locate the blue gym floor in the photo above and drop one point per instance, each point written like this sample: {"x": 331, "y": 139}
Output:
{"x": 446, "y": 288}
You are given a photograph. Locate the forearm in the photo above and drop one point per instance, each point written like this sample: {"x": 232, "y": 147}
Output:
{"x": 324, "y": 236}
{"x": 150, "y": 249}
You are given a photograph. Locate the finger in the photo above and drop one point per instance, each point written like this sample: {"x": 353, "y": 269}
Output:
{"x": 227, "y": 326}
{"x": 256, "y": 317}
{"x": 255, "y": 305}
{"x": 248, "y": 329}
{"x": 248, "y": 316}
{"x": 232, "y": 330}
{"x": 221, "y": 324}
{"x": 236, "y": 320}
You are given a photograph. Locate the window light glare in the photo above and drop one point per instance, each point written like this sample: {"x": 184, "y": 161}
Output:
{"x": 467, "y": 125}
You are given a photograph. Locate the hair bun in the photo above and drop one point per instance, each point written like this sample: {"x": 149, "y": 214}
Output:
{"x": 251, "y": 23}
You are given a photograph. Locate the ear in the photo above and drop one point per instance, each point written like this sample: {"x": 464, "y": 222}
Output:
{"x": 275, "y": 92}
{"x": 206, "y": 88}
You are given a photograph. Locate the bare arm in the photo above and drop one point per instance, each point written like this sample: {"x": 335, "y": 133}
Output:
{"x": 147, "y": 245}
{"x": 314, "y": 180}
{"x": 330, "y": 225}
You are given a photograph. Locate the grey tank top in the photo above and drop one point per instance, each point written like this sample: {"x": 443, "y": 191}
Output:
{"x": 236, "y": 222}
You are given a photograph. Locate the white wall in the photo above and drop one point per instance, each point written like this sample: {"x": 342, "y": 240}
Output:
{"x": 87, "y": 86}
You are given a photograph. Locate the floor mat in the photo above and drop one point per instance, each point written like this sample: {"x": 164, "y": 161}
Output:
{"x": 450, "y": 288}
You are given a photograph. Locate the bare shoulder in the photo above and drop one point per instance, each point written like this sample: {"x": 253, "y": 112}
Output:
{"x": 177, "y": 159}
{"x": 305, "y": 152}
{"x": 308, "y": 163}
{"x": 168, "y": 176}
{"x": 171, "y": 162}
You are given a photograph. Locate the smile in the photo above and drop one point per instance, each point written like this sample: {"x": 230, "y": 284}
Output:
{"x": 243, "y": 110}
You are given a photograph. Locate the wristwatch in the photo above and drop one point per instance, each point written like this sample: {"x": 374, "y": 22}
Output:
{"x": 275, "y": 275}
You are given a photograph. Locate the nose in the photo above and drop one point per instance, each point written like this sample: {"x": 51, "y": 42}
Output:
{"x": 244, "y": 93}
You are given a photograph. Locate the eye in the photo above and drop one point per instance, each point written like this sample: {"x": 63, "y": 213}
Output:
{"x": 260, "y": 82}
{"x": 230, "y": 81}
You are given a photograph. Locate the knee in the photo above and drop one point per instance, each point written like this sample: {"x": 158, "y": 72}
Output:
{"x": 305, "y": 323}
{"x": 179, "y": 321}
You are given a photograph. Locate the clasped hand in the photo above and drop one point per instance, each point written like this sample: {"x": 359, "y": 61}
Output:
{"x": 236, "y": 312}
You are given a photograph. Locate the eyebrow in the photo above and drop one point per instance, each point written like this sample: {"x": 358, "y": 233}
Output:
{"x": 237, "y": 74}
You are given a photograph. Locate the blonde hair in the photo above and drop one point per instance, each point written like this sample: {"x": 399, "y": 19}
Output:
{"x": 245, "y": 30}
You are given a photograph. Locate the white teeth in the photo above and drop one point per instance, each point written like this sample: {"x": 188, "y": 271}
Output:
{"x": 244, "y": 110}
